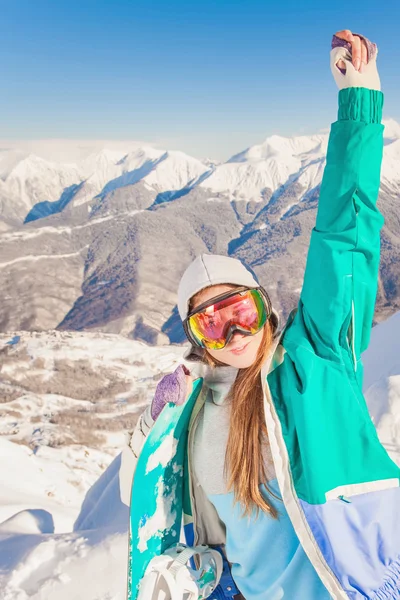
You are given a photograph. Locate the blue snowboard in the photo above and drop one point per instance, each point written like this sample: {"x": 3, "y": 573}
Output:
{"x": 157, "y": 489}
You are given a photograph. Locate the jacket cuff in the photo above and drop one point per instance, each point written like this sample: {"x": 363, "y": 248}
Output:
{"x": 147, "y": 420}
{"x": 360, "y": 104}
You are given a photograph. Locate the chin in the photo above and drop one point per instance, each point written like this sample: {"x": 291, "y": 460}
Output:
{"x": 242, "y": 362}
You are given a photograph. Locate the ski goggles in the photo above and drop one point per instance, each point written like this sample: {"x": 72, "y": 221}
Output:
{"x": 213, "y": 323}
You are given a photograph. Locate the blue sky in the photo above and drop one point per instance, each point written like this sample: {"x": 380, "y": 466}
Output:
{"x": 209, "y": 78}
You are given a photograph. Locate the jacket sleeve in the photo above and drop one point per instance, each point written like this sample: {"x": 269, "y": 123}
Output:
{"x": 130, "y": 454}
{"x": 338, "y": 296}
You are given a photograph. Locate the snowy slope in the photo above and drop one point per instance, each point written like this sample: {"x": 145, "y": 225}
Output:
{"x": 175, "y": 171}
{"x": 382, "y": 382}
{"x": 62, "y": 524}
{"x": 249, "y": 175}
{"x": 42, "y": 555}
{"x": 267, "y": 166}
{"x": 390, "y": 164}
{"x": 63, "y": 528}
{"x": 160, "y": 171}
{"x": 34, "y": 179}
{"x": 106, "y": 171}
{"x": 107, "y": 225}
{"x": 279, "y": 160}
{"x": 9, "y": 158}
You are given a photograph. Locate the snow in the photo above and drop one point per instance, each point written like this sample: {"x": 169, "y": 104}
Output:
{"x": 133, "y": 168}
{"x": 63, "y": 528}
{"x": 175, "y": 171}
{"x": 392, "y": 129}
{"x": 270, "y": 165}
{"x": 27, "y": 174}
{"x": 35, "y": 180}
{"x": 33, "y": 233}
{"x": 279, "y": 159}
{"x": 62, "y": 525}
{"x": 37, "y": 480}
{"x": 8, "y": 160}
{"x": 382, "y": 382}
{"x": 40, "y": 257}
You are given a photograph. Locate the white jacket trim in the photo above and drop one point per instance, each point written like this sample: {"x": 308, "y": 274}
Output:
{"x": 353, "y": 489}
{"x": 297, "y": 517}
{"x": 130, "y": 454}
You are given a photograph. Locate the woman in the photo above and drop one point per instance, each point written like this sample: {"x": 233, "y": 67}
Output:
{"x": 285, "y": 472}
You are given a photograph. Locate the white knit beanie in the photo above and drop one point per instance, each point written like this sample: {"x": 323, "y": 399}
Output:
{"x": 213, "y": 269}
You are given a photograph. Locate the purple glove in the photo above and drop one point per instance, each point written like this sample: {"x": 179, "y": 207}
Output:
{"x": 371, "y": 47}
{"x": 171, "y": 388}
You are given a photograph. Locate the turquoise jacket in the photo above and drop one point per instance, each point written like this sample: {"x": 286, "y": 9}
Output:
{"x": 339, "y": 486}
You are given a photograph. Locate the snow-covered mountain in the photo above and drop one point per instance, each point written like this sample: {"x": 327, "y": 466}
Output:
{"x": 67, "y": 399}
{"x": 267, "y": 166}
{"x": 247, "y": 175}
{"x": 34, "y": 180}
{"x": 108, "y": 232}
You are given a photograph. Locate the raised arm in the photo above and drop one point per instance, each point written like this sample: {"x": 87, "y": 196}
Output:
{"x": 337, "y": 301}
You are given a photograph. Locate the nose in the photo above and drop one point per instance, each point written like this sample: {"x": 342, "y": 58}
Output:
{"x": 236, "y": 337}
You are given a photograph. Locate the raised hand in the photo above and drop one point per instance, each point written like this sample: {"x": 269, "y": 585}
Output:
{"x": 360, "y": 47}
{"x": 353, "y": 61}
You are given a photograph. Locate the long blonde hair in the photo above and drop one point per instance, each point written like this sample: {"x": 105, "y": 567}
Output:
{"x": 244, "y": 464}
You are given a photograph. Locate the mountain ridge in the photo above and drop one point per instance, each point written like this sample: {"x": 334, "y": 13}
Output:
{"x": 95, "y": 255}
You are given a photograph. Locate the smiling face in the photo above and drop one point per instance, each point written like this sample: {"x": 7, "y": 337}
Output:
{"x": 241, "y": 351}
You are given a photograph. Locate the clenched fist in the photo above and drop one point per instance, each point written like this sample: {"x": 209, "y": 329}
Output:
{"x": 353, "y": 61}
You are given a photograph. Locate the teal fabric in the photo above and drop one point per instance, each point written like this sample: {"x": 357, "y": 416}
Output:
{"x": 259, "y": 574}
{"x": 317, "y": 390}
{"x": 320, "y": 420}
{"x": 157, "y": 490}
{"x": 316, "y": 381}
{"x": 344, "y": 252}
{"x": 269, "y": 562}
